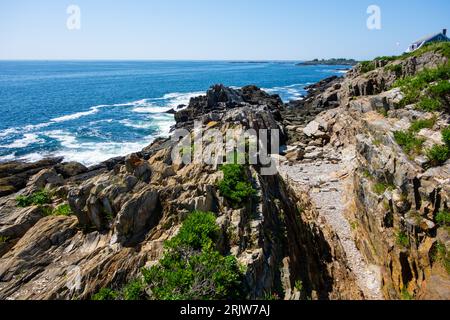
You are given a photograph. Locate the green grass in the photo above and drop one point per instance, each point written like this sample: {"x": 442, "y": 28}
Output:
{"x": 402, "y": 239}
{"x": 39, "y": 198}
{"x": 410, "y": 144}
{"x": 418, "y": 125}
{"x": 235, "y": 186}
{"x": 380, "y": 188}
{"x": 405, "y": 295}
{"x": 299, "y": 285}
{"x": 429, "y": 104}
{"x": 387, "y": 58}
{"x": 446, "y": 136}
{"x": 106, "y": 294}
{"x": 441, "y": 255}
{"x": 134, "y": 291}
{"x": 367, "y": 66}
{"x": 396, "y": 68}
{"x": 3, "y": 239}
{"x": 441, "y": 89}
{"x": 415, "y": 87}
{"x": 438, "y": 155}
{"x": 62, "y": 210}
{"x": 443, "y": 218}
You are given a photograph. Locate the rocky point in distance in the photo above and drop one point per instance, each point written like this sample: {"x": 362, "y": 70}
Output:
{"x": 358, "y": 210}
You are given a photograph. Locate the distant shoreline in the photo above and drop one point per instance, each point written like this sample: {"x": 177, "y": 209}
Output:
{"x": 329, "y": 62}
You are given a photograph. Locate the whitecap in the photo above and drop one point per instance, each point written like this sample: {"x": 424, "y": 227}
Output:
{"x": 77, "y": 115}
{"x": 66, "y": 139}
{"x": 28, "y": 138}
{"x": 136, "y": 124}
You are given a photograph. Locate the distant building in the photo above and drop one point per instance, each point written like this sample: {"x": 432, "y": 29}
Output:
{"x": 438, "y": 37}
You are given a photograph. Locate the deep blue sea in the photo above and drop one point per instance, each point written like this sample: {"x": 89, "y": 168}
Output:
{"x": 92, "y": 111}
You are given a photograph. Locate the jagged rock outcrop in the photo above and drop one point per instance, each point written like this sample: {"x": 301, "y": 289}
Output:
{"x": 394, "y": 197}
{"x": 124, "y": 209}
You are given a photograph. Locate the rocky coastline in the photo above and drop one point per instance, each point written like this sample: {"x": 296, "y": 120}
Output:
{"x": 350, "y": 215}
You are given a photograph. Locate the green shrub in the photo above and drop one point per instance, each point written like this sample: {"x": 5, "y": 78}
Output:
{"x": 367, "y": 66}
{"x": 429, "y": 104}
{"x": 438, "y": 155}
{"x": 36, "y": 199}
{"x": 62, "y": 210}
{"x": 418, "y": 125}
{"x": 441, "y": 255}
{"x": 440, "y": 89}
{"x": 106, "y": 294}
{"x": 234, "y": 186}
{"x": 396, "y": 68}
{"x": 192, "y": 269}
{"x": 406, "y": 295}
{"x": 409, "y": 142}
{"x": 299, "y": 285}
{"x": 134, "y": 291}
{"x": 199, "y": 231}
{"x": 446, "y": 136}
{"x": 443, "y": 218}
{"x": 402, "y": 239}
{"x": 387, "y": 58}
{"x": 380, "y": 188}
{"x": 414, "y": 86}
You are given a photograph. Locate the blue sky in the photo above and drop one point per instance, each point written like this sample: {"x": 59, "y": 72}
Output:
{"x": 214, "y": 29}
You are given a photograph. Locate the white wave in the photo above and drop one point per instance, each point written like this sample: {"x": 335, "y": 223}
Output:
{"x": 66, "y": 139}
{"x": 137, "y": 124}
{"x": 74, "y": 116}
{"x": 8, "y": 131}
{"x": 28, "y": 138}
{"x": 93, "y": 152}
{"x": 288, "y": 93}
{"x": 9, "y": 157}
{"x": 177, "y": 98}
{"x": 32, "y": 157}
{"x": 150, "y": 109}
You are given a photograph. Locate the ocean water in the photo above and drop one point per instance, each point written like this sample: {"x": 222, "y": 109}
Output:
{"x": 91, "y": 111}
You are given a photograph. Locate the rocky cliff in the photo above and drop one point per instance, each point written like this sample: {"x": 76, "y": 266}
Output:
{"x": 354, "y": 213}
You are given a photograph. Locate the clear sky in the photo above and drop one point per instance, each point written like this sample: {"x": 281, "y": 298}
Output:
{"x": 214, "y": 29}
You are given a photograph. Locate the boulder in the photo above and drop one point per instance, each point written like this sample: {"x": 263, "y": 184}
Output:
{"x": 137, "y": 215}
{"x": 70, "y": 169}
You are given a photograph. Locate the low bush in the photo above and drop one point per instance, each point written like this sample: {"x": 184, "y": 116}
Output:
{"x": 443, "y": 218}
{"x": 62, "y": 210}
{"x": 409, "y": 142}
{"x": 235, "y": 186}
{"x": 446, "y": 136}
{"x": 192, "y": 268}
{"x": 367, "y": 66}
{"x": 402, "y": 239}
{"x": 39, "y": 198}
{"x": 106, "y": 294}
{"x": 440, "y": 89}
{"x": 429, "y": 104}
{"x": 438, "y": 155}
{"x": 415, "y": 87}
{"x": 380, "y": 188}
{"x": 418, "y": 125}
